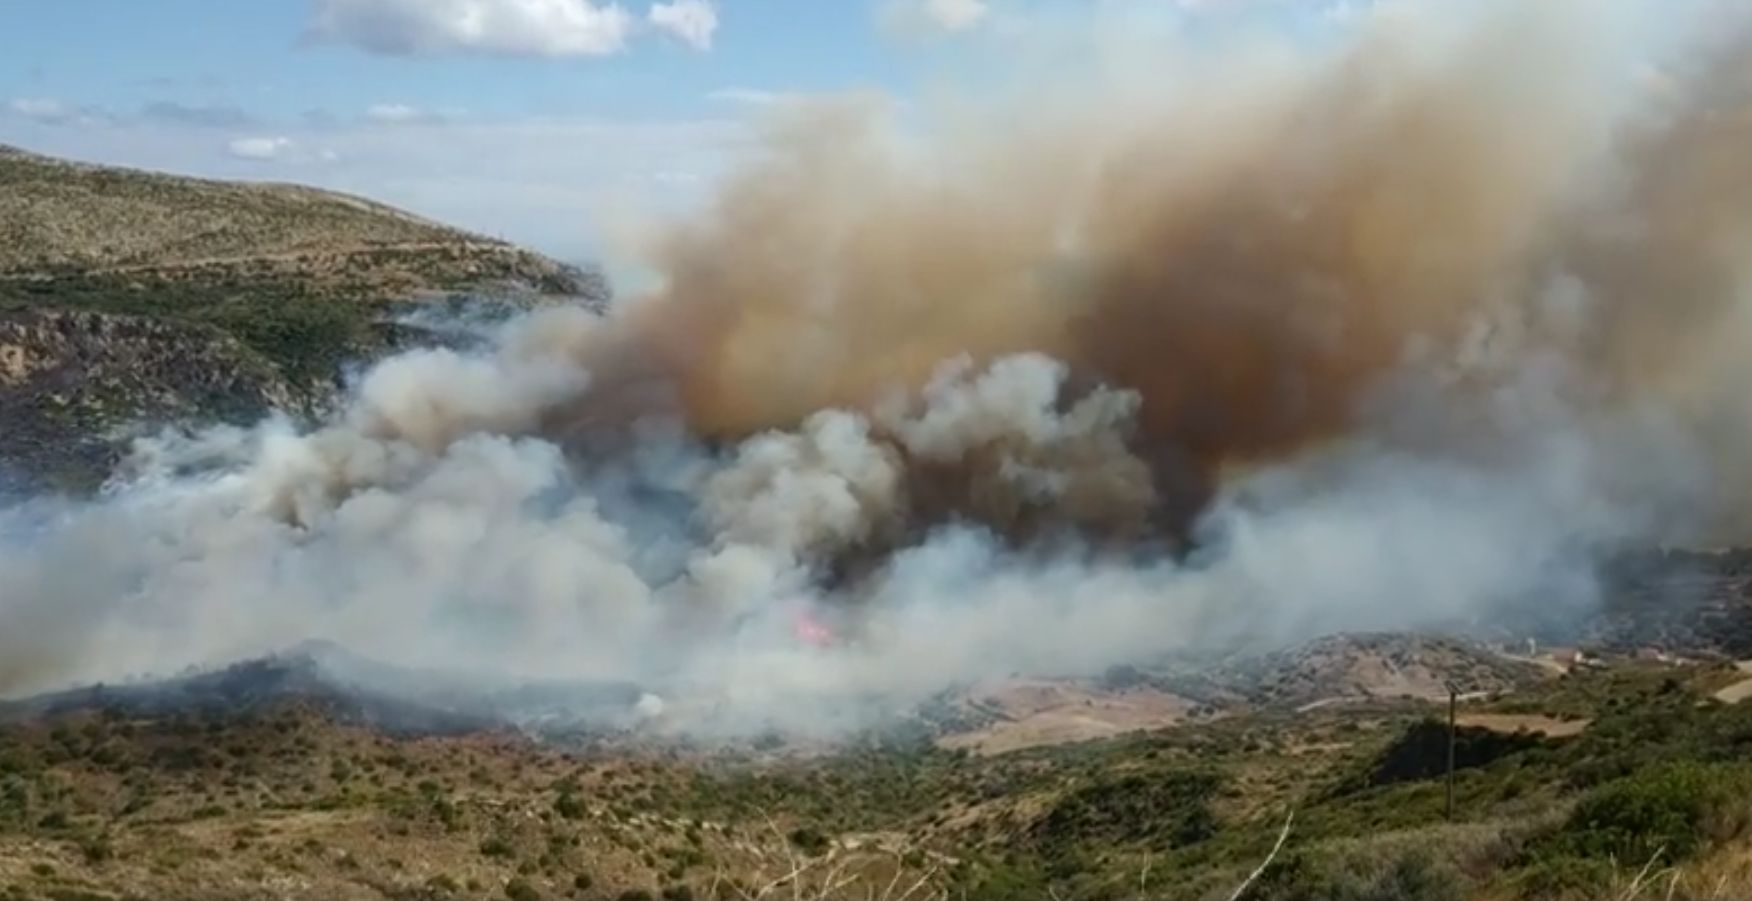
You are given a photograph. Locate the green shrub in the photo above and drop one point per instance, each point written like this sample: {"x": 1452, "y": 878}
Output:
{"x": 1171, "y": 809}
{"x": 1676, "y": 809}
{"x": 568, "y": 806}
{"x": 521, "y": 890}
{"x": 1414, "y": 875}
{"x": 808, "y": 840}
{"x": 1421, "y": 752}
{"x": 1001, "y": 880}
{"x": 1557, "y": 875}
{"x": 96, "y": 849}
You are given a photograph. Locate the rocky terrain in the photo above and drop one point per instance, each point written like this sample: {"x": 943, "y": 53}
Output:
{"x": 131, "y": 297}
{"x": 71, "y": 381}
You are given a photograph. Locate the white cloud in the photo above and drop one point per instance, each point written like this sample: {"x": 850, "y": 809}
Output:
{"x": 48, "y": 111}
{"x": 195, "y": 115}
{"x": 392, "y": 112}
{"x": 41, "y": 109}
{"x": 956, "y": 15}
{"x": 752, "y": 96}
{"x": 494, "y": 27}
{"x": 259, "y": 148}
{"x": 934, "y": 17}
{"x": 400, "y": 114}
{"x": 693, "y": 22}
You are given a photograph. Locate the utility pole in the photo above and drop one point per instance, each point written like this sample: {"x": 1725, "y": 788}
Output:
{"x": 1453, "y": 704}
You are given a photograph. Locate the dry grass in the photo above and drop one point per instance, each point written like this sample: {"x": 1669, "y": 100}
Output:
{"x": 1037, "y": 713}
{"x": 60, "y": 219}
{"x": 1550, "y": 727}
{"x": 55, "y": 214}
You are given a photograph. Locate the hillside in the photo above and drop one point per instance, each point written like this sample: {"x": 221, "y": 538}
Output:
{"x": 266, "y": 781}
{"x": 67, "y": 376}
{"x": 58, "y": 216}
{"x": 130, "y": 297}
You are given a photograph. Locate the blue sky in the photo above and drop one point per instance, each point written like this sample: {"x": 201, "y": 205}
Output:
{"x": 259, "y": 55}
{"x": 538, "y": 120}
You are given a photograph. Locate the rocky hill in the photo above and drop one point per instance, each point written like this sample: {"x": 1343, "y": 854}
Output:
{"x": 130, "y": 297}
{"x": 1355, "y": 667}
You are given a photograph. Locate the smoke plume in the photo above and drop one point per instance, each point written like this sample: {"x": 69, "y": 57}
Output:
{"x": 1270, "y": 335}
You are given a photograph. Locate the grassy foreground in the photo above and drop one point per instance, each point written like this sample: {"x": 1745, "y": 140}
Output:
{"x": 1639, "y": 790}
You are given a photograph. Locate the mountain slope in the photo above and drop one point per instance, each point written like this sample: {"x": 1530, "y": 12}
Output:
{"x": 58, "y": 215}
{"x": 130, "y": 297}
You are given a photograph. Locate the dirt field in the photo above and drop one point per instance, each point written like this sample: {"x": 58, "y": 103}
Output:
{"x": 1550, "y": 727}
{"x": 1738, "y": 691}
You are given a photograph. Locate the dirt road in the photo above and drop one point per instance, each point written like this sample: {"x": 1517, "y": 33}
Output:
{"x": 1738, "y": 691}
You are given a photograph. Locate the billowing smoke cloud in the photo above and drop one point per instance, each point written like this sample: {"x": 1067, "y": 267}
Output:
{"x": 1251, "y": 239}
{"x": 1396, "y": 326}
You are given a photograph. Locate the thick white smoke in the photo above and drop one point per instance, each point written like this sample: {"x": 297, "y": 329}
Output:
{"x": 1385, "y": 421}
{"x": 431, "y": 525}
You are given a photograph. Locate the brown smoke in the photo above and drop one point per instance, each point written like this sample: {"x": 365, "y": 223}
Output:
{"x": 1253, "y": 253}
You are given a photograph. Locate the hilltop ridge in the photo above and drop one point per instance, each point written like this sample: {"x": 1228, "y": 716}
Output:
{"x": 58, "y": 213}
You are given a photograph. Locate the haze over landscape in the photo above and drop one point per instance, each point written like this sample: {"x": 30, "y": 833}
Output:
{"x": 1113, "y": 424}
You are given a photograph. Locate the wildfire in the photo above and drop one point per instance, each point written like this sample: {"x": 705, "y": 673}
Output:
{"x": 812, "y": 631}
